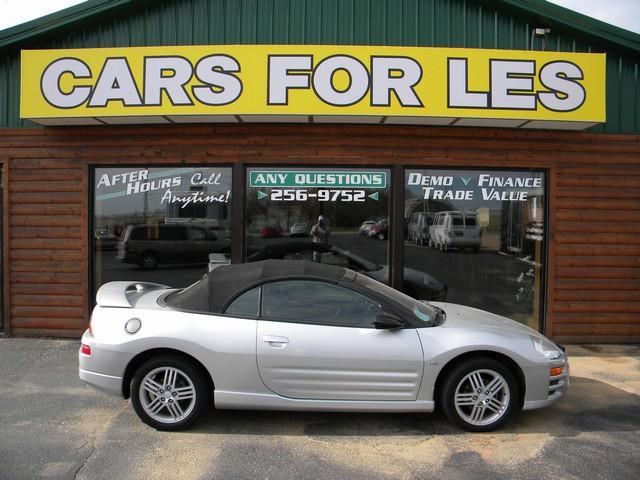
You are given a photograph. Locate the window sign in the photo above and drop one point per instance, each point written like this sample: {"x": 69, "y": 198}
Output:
{"x": 481, "y": 232}
{"x": 337, "y": 216}
{"x": 159, "y": 224}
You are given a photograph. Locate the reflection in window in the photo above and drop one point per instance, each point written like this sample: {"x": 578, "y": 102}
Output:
{"x": 159, "y": 224}
{"x": 485, "y": 240}
{"x": 288, "y": 209}
{"x": 318, "y": 303}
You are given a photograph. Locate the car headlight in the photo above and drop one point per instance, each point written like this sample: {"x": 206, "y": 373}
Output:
{"x": 546, "y": 348}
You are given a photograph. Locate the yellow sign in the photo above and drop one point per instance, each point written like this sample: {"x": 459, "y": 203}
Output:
{"x": 314, "y": 83}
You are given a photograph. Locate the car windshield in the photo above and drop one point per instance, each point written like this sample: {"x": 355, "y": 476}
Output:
{"x": 421, "y": 311}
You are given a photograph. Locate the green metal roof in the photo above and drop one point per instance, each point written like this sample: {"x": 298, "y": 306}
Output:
{"x": 552, "y": 14}
{"x": 62, "y": 20}
{"x": 546, "y": 12}
{"x": 502, "y": 24}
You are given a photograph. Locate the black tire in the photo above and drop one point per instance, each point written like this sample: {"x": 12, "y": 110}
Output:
{"x": 462, "y": 416}
{"x": 149, "y": 261}
{"x": 381, "y": 236}
{"x": 192, "y": 408}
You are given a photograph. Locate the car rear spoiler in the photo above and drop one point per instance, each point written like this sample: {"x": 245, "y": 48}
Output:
{"x": 121, "y": 294}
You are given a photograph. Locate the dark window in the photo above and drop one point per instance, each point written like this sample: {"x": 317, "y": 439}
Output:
{"x": 173, "y": 233}
{"x": 305, "y": 301}
{"x": 299, "y": 255}
{"x": 487, "y": 240}
{"x": 198, "y": 234}
{"x": 152, "y": 211}
{"x": 193, "y": 211}
{"x": 245, "y": 305}
{"x": 139, "y": 234}
{"x": 325, "y": 205}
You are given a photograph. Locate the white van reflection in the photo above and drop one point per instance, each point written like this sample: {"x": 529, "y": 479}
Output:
{"x": 455, "y": 229}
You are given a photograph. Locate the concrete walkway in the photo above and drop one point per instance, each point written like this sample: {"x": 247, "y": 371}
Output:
{"x": 52, "y": 426}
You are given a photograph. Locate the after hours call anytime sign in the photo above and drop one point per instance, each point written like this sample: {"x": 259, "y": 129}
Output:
{"x": 379, "y": 84}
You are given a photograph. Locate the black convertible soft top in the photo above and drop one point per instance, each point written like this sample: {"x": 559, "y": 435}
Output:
{"x": 214, "y": 291}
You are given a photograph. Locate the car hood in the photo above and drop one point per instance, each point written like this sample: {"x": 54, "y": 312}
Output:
{"x": 476, "y": 320}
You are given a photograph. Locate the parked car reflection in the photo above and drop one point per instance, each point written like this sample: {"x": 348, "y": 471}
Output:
{"x": 104, "y": 240}
{"x": 265, "y": 229}
{"x": 299, "y": 229}
{"x": 151, "y": 245}
{"x": 380, "y": 230}
{"x": 455, "y": 229}
{"x": 366, "y": 225}
{"x": 417, "y": 284}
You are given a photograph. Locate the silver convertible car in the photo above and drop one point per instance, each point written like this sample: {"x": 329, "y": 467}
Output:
{"x": 298, "y": 335}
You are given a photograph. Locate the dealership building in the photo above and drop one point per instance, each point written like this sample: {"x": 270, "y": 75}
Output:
{"x": 481, "y": 152}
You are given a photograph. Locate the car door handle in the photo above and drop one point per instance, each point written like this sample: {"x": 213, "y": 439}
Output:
{"x": 275, "y": 341}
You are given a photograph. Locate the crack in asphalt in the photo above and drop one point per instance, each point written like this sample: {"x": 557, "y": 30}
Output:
{"x": 86, "y": 459}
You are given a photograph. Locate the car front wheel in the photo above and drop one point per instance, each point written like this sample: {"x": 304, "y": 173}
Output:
{"x": 479, "y": 395}
{"x": 169, "y": 393}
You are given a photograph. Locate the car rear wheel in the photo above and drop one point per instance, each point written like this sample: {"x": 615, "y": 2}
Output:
{"x": 169, "y": 393}
{"x": 479, "y": 395}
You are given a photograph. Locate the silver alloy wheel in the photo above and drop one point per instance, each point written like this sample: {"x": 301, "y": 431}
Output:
{"x": 482, "y": 397}
{"x": 167, "y": 394}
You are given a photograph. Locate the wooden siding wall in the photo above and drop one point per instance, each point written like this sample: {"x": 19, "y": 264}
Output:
{"x": 594, "y": 198}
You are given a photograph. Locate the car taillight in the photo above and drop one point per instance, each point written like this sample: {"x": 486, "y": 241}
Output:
{"x": 85, "y": 349}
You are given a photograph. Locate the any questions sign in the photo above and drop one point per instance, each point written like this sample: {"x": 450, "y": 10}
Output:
{"x": 314, "y": 83}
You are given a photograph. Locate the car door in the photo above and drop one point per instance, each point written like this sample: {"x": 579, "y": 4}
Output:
{"x": 317, "y": 340}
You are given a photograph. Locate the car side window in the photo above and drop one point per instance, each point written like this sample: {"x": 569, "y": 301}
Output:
{"x": 171, "y": 232}
{"x": 246, "y": 304}
{"x": 319, "y": 303}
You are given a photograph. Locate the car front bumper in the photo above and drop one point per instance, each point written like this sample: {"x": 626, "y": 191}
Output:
{"x": 552, "y": 390}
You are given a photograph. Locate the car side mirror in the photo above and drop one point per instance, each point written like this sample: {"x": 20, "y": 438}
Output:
{"x": 388, "y": 321}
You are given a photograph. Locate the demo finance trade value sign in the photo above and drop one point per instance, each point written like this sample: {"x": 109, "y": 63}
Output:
{"x": 307, "y": 83}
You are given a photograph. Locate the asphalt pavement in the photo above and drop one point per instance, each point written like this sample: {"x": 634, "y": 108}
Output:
{"x": 52, "y": 426}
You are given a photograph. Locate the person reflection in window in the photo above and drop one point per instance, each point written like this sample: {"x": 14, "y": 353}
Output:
{"x": 319, "y": 234}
